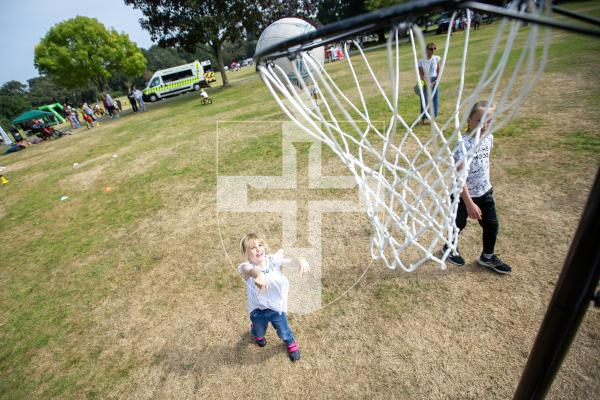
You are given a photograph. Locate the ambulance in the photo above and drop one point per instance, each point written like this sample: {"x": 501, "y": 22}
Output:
{"x": 176, "y": 80}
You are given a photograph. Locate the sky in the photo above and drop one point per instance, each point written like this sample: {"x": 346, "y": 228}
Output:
{"x": 25, "y": 22}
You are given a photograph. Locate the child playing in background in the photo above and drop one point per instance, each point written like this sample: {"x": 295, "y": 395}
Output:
{"x": 267, "y": 290}
{"x": 205, "y": 98}
{"x": 89, "y": 121}
{"x": 476, "y": 200}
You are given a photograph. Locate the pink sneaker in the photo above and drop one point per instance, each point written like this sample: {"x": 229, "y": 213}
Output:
{"x": 294, "y": 352}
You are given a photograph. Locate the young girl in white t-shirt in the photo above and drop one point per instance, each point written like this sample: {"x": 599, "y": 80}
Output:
{"x": 267, "y": 289}
{"x": 429, "y": 70}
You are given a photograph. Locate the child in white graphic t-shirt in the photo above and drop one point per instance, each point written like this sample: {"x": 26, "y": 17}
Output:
{"x": 476, "y": 200}
{"x": 267, "y": 289}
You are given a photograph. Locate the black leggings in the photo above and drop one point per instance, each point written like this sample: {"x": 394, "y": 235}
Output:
{"x": 489, "y": 220}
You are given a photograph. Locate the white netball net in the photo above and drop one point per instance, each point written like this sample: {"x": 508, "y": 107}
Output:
{"x": 406, "y": 171}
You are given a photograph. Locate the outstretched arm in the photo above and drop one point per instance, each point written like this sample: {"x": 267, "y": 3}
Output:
{"x": 248, "y": 270}
{"x": 297, "y": 264}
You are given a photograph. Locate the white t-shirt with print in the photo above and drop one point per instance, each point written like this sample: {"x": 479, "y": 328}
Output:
{"x": 478, "y": 177}
{"x": 276, "y": 296}
{"x": 430, "y": 66}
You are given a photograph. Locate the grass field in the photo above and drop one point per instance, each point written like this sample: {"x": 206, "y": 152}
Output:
{"x": 127, "y": 294}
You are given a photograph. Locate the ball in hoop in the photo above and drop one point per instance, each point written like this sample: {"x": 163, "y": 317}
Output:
{"x": 284, "y": 29}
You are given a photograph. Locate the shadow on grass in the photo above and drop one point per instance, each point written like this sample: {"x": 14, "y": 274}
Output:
{"x": 475, "y": 267}
{"x": 210, "y": 360}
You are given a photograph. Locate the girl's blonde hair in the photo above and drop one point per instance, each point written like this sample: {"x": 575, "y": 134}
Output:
{"x": 249, "y": 240}
{"x": 481, "y": 105}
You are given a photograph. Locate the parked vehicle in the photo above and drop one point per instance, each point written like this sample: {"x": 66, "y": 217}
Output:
{"x": 443, "y": 23}
{"x": 176, "y": 80}
{"x": 209, "y": 74}
{"x": 424, "y": 21}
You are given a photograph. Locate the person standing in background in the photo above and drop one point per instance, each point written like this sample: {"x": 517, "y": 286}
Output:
{"x": 132, "y": 101}
{"x": 109, "y": 104}
{"x": 429, "y": 70}
{"x": 139, "y": 96}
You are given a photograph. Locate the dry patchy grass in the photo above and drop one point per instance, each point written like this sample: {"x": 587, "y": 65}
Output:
{"x": 135, "y": 299}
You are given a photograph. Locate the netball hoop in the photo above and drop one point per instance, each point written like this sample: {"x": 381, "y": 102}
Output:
{"x": 406, "y": 172}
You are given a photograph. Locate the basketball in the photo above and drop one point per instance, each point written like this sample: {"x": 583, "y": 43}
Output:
{"x": 284, "y": 29}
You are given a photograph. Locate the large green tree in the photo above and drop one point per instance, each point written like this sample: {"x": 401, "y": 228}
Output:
{"x": 161, "y": 58}
{"x": 13, "y": 101}
{"x": 191, "y": 23}
{"x": 82, "y": 50}
{"x": 335, "y": 10}
{"x": 43, "y": 90}
{"x": 376, "y": 4}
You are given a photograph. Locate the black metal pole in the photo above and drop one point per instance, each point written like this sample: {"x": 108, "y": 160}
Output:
{"x": 571, "y": 299}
